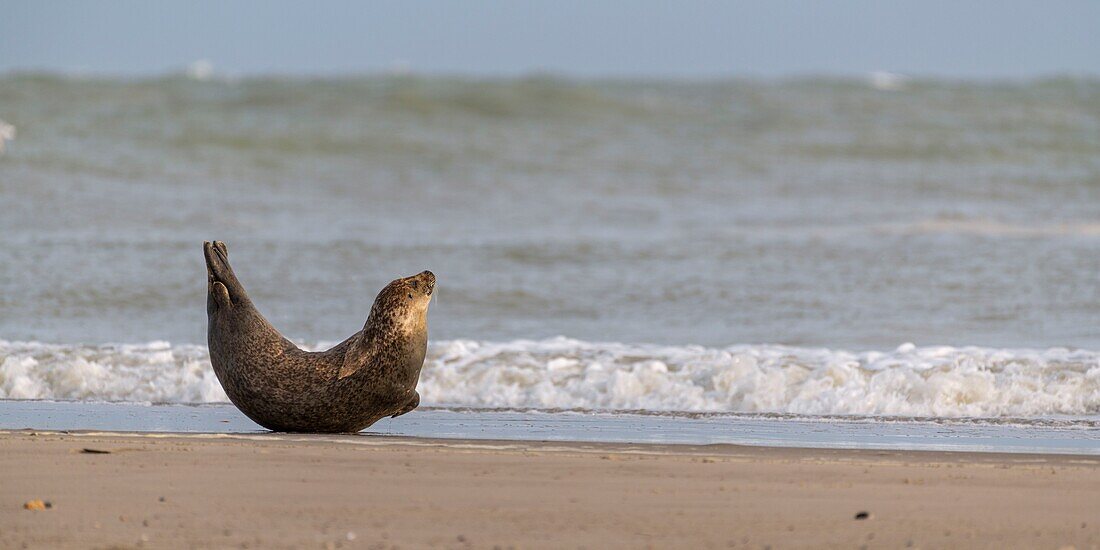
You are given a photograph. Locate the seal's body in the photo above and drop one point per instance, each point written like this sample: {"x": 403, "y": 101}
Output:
{"x": 371, "y": 375}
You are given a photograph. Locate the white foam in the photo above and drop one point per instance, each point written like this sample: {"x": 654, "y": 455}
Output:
{"x": 7, "y": 133}
{"x": 887, "y": 81}
{"x": 562, "y": 373}
{"x": 201, "y": 70}
{"x": 152, "y": 372}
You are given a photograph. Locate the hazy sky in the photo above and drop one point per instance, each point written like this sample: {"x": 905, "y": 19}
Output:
{"x": 586, "y": 38}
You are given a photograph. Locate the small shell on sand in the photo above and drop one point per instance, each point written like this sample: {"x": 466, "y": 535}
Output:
{"x": 37, "y": 504}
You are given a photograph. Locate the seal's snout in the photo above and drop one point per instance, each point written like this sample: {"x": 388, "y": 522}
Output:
{"x": 429, "y": 281}
{"x": 424, "y": 283}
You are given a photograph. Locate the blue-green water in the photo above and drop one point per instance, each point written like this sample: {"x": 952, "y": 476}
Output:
{"x": 724, "y": 246}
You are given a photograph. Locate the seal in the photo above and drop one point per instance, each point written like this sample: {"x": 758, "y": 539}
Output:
{"x": 369, "y": 376}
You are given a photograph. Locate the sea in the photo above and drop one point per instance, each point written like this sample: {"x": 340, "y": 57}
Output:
{"x": 816, "y": 261}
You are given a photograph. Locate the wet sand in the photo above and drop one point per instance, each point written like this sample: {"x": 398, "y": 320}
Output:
{"x": 317, "y": 492}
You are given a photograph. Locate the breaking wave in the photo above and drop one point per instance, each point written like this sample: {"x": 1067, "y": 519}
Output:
{"x": 154, "y": 372}
{"x": 562, "y": 373}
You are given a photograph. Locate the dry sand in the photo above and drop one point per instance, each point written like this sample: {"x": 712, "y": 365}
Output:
{"x": 318, "y": 492}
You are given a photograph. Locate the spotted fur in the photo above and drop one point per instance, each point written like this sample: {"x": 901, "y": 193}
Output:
{"x": 371, "y": 375}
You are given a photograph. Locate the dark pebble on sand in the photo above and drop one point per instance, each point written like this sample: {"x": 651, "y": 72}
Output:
{"x": 863, "y": 515}
{"x": 94, "y": 451}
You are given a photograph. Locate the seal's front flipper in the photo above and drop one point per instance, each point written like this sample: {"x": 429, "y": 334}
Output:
{"x": 220, "y": 274}
{"x": 410, "y": 405}
{"x": 354, "y": 357}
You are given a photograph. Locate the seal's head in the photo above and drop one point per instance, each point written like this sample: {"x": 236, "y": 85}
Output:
{"x": 404, "y": 302}
{"x": 397, "y": 326}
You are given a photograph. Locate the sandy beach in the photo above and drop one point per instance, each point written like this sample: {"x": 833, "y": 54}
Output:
{"x": 374, "y": 492}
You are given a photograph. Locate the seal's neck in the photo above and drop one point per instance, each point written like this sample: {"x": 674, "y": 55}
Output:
{"x": 395, "y": 343}
{"x": 404, "y": 333}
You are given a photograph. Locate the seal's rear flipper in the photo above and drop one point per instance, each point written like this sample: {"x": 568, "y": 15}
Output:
{"x": 223, "y": 283}
{"x": 220, "y": 295}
